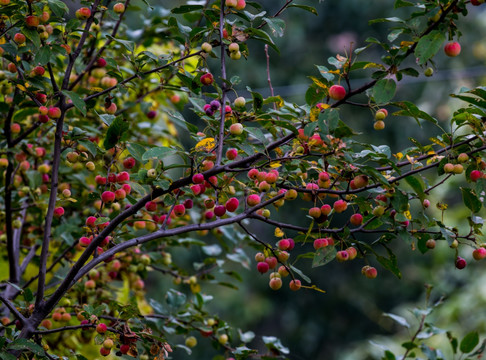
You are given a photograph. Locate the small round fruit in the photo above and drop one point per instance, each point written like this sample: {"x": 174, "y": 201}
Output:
{"x": 191, "y": 341}
{"x": 236, "y": 129}
{"x": 429, "y": 72}
{"x": 475, "y": 175}
{"x": 223, "y": 339}
{"x": 460, "y": 263}
{"x": 430, "y": 244}
{"x": 119, "y": 8}
{"x": 356, "y": 219}
{"x": 452, "y": 49}
{"x": 379, "y": 125}
{"x": 449, "y": 168}
{"x": 262, "y": 267}
{"x": 101, "y": 328}
{"x": 337, "y": 92}
{"x": 206, "y": 47}
{"x": 295, "y": 285}
{"x": 275, "y": 283}
{"x": 207, "y": 79}
{"x": 479, "y": 253}
{"x": 239, "y": 102}
{"x": 370, "y": 272}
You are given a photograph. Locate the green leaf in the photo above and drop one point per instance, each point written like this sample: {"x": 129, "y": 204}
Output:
{"x": 388, "y": 355}
{"x": 157, "y": 153}
{"x": 417, "y": 185}
{"x": 384, "y": 90}
{"x": 92, "y": 147}
{"x": 212, "y": 250}
{"x": 390, "y": 263}
{"x": 247, "y": 336}
{"x": 78, "y": 102}
{"x": 324, "y": 71}
{"x": 305, "y": 7}
{"x": 137, "y": 151}
{"x": 257, "y": 101}
{"x": 402, "y": 3}
{"x": 324, "y": 256}
{"x": 276, "y": 25}
{"x": 469, "y": 342}
{"x": 129, "y": 45}
{"x": 257, "y": 133}
{"x": 115, "y": 132}
{"x": 272, "y": 342}
{"x": 186, "y": 8}
{"x": 35, "y": 178}
{"x": 175, "y": 298}
{"x": 300, "y": 273}
{"x": 428, "y": 46}
{"x": 28, "y": 296}
{"x": 309, "y": 128}
{"x": 58, "y": 7}
{"x": 471, "y": 200}
{"x": 7, "y": 356}
{"x": 24, "y": 344}
{"x": 410, "y": 109}
{"x": 33, "y": 36}
{"x": 400, "y": 320}
{"x": 262, "y": 36}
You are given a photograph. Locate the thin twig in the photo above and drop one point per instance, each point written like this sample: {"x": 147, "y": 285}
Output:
{"x": 219, "y": 146}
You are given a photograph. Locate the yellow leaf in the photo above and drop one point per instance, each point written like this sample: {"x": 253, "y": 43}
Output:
{"x": 406, "y": 43}
{"x": 195, "y": 288}
{"x": 438, "y": 142}
{"x": 95, "y": 89}
{"x": 373, "y": 65}
{"x": 2, "y": 40}
{"x": 21, "y": 87}
{"x": 408, "y": 215}
{"x": 318, "y": 82}
{"x": 275, "y": 164}
{"x": 410, "y": 159}
{"x": 399, "y": 155}
{"x": 337, "y": 71}
{"x": 314, "y": 113}
{"x": 206, "y": 144}
{"x": 322, "y": 106}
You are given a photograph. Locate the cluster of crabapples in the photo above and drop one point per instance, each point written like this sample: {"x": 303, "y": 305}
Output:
{"x": 458, "y": 167}
{"x": 282, "y": 254}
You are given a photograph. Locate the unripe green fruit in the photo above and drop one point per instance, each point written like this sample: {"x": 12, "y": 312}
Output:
{"x": 191, "y": 341}
{"x": 240, "y": 102}
{"x": 379, "y": 210}
{"x": 235, "y": 55}
{"x": 380, "y": 115}
{"x": 151, "y": 173}
{"x": 223, "y": 339}
{"x": 429, "y": 72}
{"x": 206, "y": 47}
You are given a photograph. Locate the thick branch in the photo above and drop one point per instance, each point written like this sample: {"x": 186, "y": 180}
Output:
{"x": 50, "y": 209}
